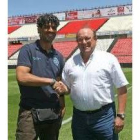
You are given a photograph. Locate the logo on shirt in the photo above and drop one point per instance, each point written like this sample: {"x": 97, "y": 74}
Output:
{"x": 36, "y": 58}
{"x": 55, "y": 61}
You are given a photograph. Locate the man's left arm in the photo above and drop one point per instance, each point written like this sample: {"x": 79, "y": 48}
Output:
{"x": 122, "y": 98}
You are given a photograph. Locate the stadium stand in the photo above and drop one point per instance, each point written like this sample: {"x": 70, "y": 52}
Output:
{"x": 66, "y": 47}
{"x": 14, "y": 56}
{"x": 122, "y": 23}
{"x": 13, "y": 28}
{"x": 123, "y": 50}
{"x": 30, "y": 30}
{"x": 123, "y": 47}
{"x": 125, "y": 59}
{"x": 12, "y": 62}
{"x": 104, "y": 44}
{"x": 114, "y": 35}
{"x": 74, "y": 26}
{"x": 12, "y": 49}
{"x": 13, "y": 59}
{"x": 62, "y": 24}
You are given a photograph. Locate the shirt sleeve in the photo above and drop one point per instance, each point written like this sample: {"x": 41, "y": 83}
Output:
{"x": 24, "y": 57}
{"x": 117, "y": 74}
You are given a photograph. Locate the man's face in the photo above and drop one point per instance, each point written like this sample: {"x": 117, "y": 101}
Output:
{"x": 86, "y": 41}
{"x": 47, "y": 32}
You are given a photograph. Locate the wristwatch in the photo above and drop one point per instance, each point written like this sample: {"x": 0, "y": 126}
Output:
{"x": 53, "y": 82}
{"x": 121, "y": 116}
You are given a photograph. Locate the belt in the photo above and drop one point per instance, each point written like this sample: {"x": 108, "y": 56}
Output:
{"x": 97, "y": 110}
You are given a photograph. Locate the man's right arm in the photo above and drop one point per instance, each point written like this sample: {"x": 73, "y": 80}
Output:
{"x": 24, "y": 77}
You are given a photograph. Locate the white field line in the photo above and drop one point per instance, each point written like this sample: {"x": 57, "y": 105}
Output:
{"x": 70, "y": 118}
{"x": 67, "y": 120}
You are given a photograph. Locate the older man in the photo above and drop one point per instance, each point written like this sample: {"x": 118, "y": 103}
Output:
{"x": 90, "y": 77}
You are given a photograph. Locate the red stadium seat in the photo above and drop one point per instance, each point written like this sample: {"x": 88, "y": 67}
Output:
{"x": 65, "y": 48}
{"x": 74, "y": 26}
{"x": 123, "y": 50}
{"x": 13, "y": 49}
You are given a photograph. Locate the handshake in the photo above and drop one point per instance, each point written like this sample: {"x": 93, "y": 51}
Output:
{"x": 60, "y": 88}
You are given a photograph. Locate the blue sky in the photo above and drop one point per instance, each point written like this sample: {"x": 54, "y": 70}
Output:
{"x": 26, "y": 7}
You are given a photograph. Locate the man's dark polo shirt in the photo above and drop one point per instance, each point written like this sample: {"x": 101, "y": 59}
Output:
{"x": 42, "y": 64}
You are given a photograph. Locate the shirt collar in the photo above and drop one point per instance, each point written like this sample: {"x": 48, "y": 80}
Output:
{"x": 91, "y": 56}
{"x": 38, "y": 47}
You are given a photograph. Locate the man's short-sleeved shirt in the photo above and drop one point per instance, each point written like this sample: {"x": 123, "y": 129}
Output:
{"x": 91, "y": 84}
{"x": 42, "y": 64}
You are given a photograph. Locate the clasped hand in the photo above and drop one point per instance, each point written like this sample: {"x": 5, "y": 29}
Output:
{"x": 60, "y": 87}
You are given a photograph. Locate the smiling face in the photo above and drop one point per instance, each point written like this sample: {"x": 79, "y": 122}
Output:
{"x": 86, "y": 41}
{"x": 47, "y": 32}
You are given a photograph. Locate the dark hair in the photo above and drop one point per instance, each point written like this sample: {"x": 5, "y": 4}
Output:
{"x": 46, "y": 19}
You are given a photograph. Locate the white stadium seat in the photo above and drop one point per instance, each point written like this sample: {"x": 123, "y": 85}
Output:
{"x": 123, "y": 23}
